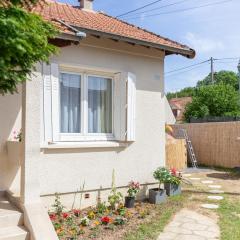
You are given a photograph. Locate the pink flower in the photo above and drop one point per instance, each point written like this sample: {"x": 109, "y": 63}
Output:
{"x": 76, "y": 212}
{"x": 174, "y": 171}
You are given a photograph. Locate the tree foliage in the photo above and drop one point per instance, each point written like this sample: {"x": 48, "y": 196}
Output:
{"x": 213, "y": 100}
{"x": 185, "y": 92}
{"x": 224, "y": 77}
{"x": 23, "y": 42}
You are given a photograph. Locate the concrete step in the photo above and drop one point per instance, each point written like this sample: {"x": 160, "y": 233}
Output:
{"x": 9, "y": 215}
{"x": 2, "y": 193}
{"x": 13, "y": 233}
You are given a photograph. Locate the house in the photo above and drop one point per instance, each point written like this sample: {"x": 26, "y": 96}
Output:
{"x": 97, "y": 107}
{"x": 178, "y": 106}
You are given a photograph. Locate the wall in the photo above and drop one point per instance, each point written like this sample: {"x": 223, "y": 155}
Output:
{"x": 10, "y": 120}
{"x": 170, "y": 118}
{"x": 215, "y": 144}
{"x": 65, "y": 170}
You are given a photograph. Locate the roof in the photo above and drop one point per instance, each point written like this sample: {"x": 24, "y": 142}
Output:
{"x": 99, "y": 23}
{"x": 180, "y": 103}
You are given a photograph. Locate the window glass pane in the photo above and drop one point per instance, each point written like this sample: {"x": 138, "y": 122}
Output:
{"x": 70, "y": 100}
{"x": 99, "y": 105}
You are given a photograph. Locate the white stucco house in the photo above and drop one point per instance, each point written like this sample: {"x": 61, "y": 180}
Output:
{"x": 97, "y": 106}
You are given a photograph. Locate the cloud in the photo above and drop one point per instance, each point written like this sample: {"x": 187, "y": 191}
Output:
{"x": 203, "y": 45}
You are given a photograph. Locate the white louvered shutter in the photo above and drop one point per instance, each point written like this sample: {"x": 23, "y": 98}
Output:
{"x": 131, "y": 107}
{"x": 47, "y": 103}
{"x": 55, "y": 101}
{"x": 125, "y": 106}
{"x": 119, "y": 112}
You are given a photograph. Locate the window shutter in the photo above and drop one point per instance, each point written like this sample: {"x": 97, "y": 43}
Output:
{"x": 131, "y": 107}
{"x": 119, "y": 111}
{"x": 47, "y": 103}
{"x": 55, "y": 101}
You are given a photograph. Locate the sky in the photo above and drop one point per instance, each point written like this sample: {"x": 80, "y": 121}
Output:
{"x": 213, "y": 31}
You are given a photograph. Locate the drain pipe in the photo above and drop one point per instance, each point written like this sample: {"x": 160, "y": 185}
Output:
{"x": 78, "y": 33}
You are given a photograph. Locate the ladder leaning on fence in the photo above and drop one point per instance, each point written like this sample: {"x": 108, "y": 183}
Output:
{"x": 190, "y": 149}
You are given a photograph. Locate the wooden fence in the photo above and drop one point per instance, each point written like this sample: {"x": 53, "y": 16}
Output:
{"x": 215, "y": 144}
{"x": 176, "y": 154}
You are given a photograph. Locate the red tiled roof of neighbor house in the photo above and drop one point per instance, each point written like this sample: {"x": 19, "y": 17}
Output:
{"x": 98, "y": 22}
{"x": 179, "y": 104}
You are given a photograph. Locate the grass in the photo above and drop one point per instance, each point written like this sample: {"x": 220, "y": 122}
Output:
{"x": 229, "y": 218}
{"x": 164, "y": 214}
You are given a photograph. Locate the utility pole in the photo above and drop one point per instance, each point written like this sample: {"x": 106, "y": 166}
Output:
{"x": 212, "y": 70}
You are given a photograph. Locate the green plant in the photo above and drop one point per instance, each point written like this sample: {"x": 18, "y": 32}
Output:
{"x": 85, "y": 221}
{"x": 122, "y": 210}
{"x": 133, "y": 189}
{"x": 24, "y": 41}
{"x": 120, "y": 220}
{"x": 115, "y": 198}
{"x": 81, "y": 194}
{"x": 175, "y": 180}
{"x": 57, "y": 206}
{"x": 162, "y": 175}
{"x": 101, "y": 208}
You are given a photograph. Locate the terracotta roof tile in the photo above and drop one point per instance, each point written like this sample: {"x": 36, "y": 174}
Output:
{"x": 101, "y": 22}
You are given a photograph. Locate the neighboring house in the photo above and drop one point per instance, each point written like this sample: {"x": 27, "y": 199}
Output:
{"x": 98, "y": 106}
{"x": 178, "y": 106}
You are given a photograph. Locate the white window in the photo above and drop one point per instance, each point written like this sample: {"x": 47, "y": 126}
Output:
{"x": 84, "y": 105}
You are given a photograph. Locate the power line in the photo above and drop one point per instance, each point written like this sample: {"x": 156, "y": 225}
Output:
{"x": 134, "y": 10}
{"x": 194, "y": 66}
{"x": 179, "y": 69}
{"x": 185, "y": 9}
{"x": 163, "y": 6}
{"x": 228, "y": 58}
{"x": 183, "y": 71}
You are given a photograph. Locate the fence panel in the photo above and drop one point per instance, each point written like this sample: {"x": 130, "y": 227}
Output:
{"x": 176, "y": 154}
{"x": 215, "y": 144}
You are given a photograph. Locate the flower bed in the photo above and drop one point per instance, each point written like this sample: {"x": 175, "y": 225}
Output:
{"x": 100, "y": 222}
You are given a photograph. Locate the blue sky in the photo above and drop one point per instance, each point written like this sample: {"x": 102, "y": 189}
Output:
{"x": 211, "y": 31}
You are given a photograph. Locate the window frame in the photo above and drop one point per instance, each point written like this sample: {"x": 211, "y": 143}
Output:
{"x": 84, "y": 135}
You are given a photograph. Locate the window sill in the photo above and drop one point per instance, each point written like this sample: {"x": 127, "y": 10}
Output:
{"x": 72, "y": 145}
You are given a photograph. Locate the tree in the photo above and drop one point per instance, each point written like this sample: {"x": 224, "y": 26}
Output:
{"x": 185, "y": 92}
{"x": 213, "y": 100}
{"x": 225, "y": 77}
{"x": 23, "y": 42}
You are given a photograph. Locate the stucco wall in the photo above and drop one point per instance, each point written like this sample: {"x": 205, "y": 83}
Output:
{"x": 10, "y": 120}
{"x": 65, "y": 170}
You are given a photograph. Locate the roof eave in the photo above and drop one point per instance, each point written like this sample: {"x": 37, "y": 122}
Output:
{"x": 189, "y": 53}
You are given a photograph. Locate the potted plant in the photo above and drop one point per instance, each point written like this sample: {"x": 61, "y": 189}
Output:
{"x": 158, "y": 195}
{"x": 133, "y": 189}
{"x": 173, "y": 185}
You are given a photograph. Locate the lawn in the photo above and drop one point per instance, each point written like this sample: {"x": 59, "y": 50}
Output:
{"x": 164, "y": 213}
{"x": 229, "y": 218}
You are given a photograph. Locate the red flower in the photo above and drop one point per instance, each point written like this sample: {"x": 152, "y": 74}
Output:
{"x": 105, "y": 220}
{"x": 52, "y": 216}
{"x": 76, "y": 212}
{"x": 174, "y": 171}
{"x": 65, "y": 215}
